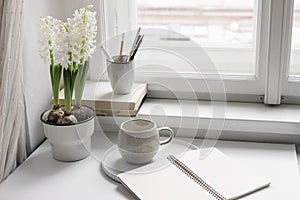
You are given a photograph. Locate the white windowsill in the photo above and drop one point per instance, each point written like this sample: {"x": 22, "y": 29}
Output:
{"x": 242, "y": 121}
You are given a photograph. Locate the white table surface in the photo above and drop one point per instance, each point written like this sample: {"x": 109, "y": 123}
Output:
{"x": 42, "y": 177}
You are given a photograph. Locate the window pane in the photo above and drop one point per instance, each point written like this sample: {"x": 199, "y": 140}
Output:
{"x": 225, "y": 28}
{"x": 295, "y": 56}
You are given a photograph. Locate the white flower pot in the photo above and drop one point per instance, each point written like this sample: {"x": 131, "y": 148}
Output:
{"x": 70, "y": 142}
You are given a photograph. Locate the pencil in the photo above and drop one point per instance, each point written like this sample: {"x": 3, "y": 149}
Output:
{"x": 121, "y": 48}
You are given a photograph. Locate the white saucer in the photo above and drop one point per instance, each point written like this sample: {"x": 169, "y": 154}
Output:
{"x": 113, "y": 164}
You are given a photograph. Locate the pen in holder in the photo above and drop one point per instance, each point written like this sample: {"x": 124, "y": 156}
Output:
{"x": 120, "y": 74}
{"x": 120, "y": 68}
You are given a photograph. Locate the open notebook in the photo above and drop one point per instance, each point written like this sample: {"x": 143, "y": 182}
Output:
{"x": 189, "y": 176}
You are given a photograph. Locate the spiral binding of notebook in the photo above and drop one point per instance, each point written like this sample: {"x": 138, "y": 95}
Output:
{"x": 195, "y": 177}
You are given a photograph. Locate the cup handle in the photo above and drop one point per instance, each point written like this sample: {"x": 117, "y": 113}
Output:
{"x": 171, "y": 134}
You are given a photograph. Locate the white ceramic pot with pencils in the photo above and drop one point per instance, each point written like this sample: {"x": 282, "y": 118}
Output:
{"x": 121, "y": 74}
{"x": 120, "y": 68}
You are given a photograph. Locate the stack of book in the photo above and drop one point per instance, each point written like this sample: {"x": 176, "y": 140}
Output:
{"x": 99, "y": 95}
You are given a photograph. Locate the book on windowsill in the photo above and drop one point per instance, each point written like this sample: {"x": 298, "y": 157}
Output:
{"x": 192, "y": 176}
{"x": 99, "y": 95}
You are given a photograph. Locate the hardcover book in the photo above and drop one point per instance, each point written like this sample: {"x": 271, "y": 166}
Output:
{"x": 99, "y": 95}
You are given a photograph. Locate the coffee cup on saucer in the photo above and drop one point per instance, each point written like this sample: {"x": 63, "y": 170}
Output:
{"x": 139, "y": 140}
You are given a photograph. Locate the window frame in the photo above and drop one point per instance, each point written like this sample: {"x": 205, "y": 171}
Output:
{"x": 290, "y": 83}
{"x": 234, "y": 84}
{"x": 267, "y": 85}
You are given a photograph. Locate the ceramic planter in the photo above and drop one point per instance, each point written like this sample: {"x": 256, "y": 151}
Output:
{"x": 70, "y": 142}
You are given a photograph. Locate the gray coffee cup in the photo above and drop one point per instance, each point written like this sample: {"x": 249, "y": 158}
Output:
{"x": 121, "y": 74}
{"x": 139, "y": 140}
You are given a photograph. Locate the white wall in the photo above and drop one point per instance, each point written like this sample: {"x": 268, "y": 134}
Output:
{"x": 37, "y": 80}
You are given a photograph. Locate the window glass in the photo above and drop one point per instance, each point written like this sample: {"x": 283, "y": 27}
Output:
{"x": 295, "y": 53}
{"x": 225, "y": 28}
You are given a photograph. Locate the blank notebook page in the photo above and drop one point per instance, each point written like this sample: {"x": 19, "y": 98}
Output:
{"x": 163, "y": 180}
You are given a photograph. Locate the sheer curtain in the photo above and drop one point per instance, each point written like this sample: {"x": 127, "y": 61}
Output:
{"x": 121, "y": 16}
{"x": 115, "y": 17}
{"x": 12, "y": 108}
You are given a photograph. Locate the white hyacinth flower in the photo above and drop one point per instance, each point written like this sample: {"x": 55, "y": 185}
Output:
{"x": 65, "y": 46}
{"x": 79, "y": 40}
{"x": 50, "y": 29}
{"x": 70, "y": 42}
{"x": 69, "y": 45}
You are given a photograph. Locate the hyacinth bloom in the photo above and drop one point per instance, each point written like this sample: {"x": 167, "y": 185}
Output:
{"x": 50, "y": 29}
{"x": 68, "y": 45}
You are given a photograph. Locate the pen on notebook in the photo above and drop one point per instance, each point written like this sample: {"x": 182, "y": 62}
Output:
{"x": 121, "y": 48}
{"x": 137, "y": 35}
{"x": 107, "y": 54}
{"x": 137, "y": 47}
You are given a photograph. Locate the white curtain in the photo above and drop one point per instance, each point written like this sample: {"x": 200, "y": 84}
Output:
{"x": 114, "y": 17}
{"x": 12, "y": 108}
{"x": 97, "y": 64}
{"x": 121, "y": 16}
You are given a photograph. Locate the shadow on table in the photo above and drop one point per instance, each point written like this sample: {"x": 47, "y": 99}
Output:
{"x": 122, "y": 190}
{"x": 119, "y": 187}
